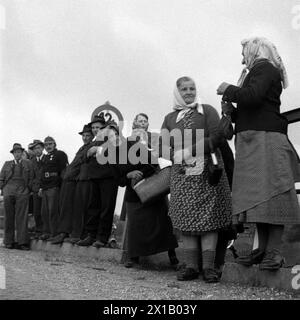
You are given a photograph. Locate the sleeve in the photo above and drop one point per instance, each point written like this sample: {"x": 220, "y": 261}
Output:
{"x": 31, "y": 175}
{"x": 260, "y": 80}
{"x": 2, "y": 176}
{"x": 62, "y": 162}
{"x": 165, "y": 150}
{"x": 215, "y": 137}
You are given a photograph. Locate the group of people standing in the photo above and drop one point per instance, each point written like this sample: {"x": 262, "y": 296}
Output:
{"x": 76, "y": 202}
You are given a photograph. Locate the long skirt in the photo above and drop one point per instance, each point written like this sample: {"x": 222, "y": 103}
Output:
{"x": 196, "y": 207}
{"x": 149, "y": 229}
{"x": 263, "y": 188}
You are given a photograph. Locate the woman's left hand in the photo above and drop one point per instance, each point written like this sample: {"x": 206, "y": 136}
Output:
{"x": 222, "y": 88}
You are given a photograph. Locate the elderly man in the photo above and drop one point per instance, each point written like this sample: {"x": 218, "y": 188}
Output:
{"x": 73, "y": 201}
{"x": 37, "y": 149}
{"x": 15, "y": 182}
{"x": 52, "y": 173}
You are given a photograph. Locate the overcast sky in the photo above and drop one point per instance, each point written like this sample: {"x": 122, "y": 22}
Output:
{"x": 60, "y": 59}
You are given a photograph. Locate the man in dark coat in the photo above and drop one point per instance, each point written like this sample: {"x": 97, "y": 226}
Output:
{"x": 53, "y": 170}
{"x": 16, "y": 182}
{"x": 37, "y": 148}
{"x": 72, "y": 204}
{"x": 104, "y": 190}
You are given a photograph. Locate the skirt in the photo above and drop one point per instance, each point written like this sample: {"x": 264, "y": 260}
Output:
{"x": 196, "y": 207}
{"x": 263, "y": 189}
{"x": 149, "y": 229}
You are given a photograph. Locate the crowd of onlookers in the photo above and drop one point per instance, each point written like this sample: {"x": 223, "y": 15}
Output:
{"x": 211, "y": 195}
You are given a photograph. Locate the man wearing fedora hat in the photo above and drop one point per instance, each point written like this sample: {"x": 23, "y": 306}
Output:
{"x": 74, "y": 194}
{"x": 37, "y": 148}
{"x": 53, "y": 169}
{"x": 16, "y": 182}
{"x": 104, "y": 190}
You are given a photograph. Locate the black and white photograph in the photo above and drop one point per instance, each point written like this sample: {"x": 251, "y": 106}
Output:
{"x": 149, "y": 153}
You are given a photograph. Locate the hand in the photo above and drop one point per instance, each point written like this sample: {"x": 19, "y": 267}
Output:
{"x": 40, "y": 193}
{"x": 222, "y": 87}
{"x": 227, "y": 107}
{"x": 135, "y": 175}
{"x": 92, "y": 151}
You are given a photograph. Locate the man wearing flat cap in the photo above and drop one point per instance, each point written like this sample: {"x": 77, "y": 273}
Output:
{"x": 74, "y": 194}
{"x": 53, "y": 169}
{"x": 16, "y": 182}
{"x": 37, "y": 149}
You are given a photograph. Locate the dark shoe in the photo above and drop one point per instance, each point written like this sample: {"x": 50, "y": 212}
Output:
{"x": 88, "y": 241}
{"x": 272, "y": 261}
{"x": 58, "y": 239}
{"x": 131, "y": 262}
{"x": 255, "y": 257}
{"x": 186, "y": 274}
{"x": 211, "y": 275}
{"x": 44, "y": 236}
{"x": 9, "y": 246}
{"x": 71, "y": 240}
{"x": 99, "y": 244}
{"x": 23, "y": 247}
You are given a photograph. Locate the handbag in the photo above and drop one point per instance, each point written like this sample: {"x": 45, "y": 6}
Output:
{"x": 155, "y": 186}
{"x": 225, "y": 124}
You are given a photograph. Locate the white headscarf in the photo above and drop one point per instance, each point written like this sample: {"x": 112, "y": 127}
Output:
{"x": 183, "y": 108}
{"x": 259, "y": 48}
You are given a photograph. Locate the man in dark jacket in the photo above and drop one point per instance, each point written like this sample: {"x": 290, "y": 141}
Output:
{"x": 37, "y": 148}
{"x": 71, "y": 203}
{"x": 53, "y": 170}
{"x": 16, "y": 182}
{"x": 104, "y": 190}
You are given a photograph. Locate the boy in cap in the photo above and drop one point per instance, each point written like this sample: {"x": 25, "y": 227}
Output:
{"x": 74, "y": 194}
{"x": 15, "y": 182}
{"x": 53, "y": 169}
{"x": 37, "y": 149}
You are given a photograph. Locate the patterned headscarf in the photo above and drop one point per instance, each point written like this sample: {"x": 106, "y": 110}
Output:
{"x": 261, "y": 48}
{"x": 183, "y": 108}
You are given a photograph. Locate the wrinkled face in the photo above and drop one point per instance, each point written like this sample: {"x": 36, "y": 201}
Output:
{"x": 96, "y": 127}
{"x": 87, "y": 137}
{"x": 50, "y": 146}
{"x": 187, "y": 90}
{"x": 142, "y": 122}
{"x": 18, "y": 154}
{"x": 38, "y": 150}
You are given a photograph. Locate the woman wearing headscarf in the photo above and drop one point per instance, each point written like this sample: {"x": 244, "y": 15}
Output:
{"x": 148, "y": 227}
{"x": 263, "y": 190}
{"x": 197, "y": 209}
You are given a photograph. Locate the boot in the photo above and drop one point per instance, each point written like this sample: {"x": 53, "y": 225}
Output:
{"x": 272, "y": 261}
{"x": 255, "y": 257}
{"x": 88, "y": 241}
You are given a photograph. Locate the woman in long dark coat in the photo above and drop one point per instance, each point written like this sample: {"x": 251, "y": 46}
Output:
{"x": 263, "y": 190}
{"x": 149, "y": 228}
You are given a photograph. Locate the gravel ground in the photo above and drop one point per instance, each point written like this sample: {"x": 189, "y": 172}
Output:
{"x": 37, "y": 275}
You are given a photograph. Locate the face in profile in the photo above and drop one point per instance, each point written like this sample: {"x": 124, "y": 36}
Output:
{"x": 187, "y": 90}
{"x": 38, "y": 150}
{"x": 87, "y": 137}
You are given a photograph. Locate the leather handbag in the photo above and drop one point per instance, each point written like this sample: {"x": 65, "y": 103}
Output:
{"x": 155, "y": 186}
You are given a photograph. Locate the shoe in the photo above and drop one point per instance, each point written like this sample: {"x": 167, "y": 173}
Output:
{"x": 88, "y": 241}
{"x": 272, "y": 261}
{"x": 59, "y": 238}
{"x": 131, "y": 262}
{"x": 44, "y": 236}
{"x": 186, "y": 274}
{"x": 255, "y": 257}
{"x": 99, "y": 244}
{"x": 23, "y": 247}
{"x": 211, "y": 275}
{"x": 71, "y": 240}
{"x": 9, "y": 246}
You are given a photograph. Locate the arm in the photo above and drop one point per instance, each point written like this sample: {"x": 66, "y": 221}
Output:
{"x": 31, "y": 175}
{"x": 62, "y": 163}
{"x": 165, "y": 150}
{"x": 254, "y": 92}
{"x": 2, "y": 176}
